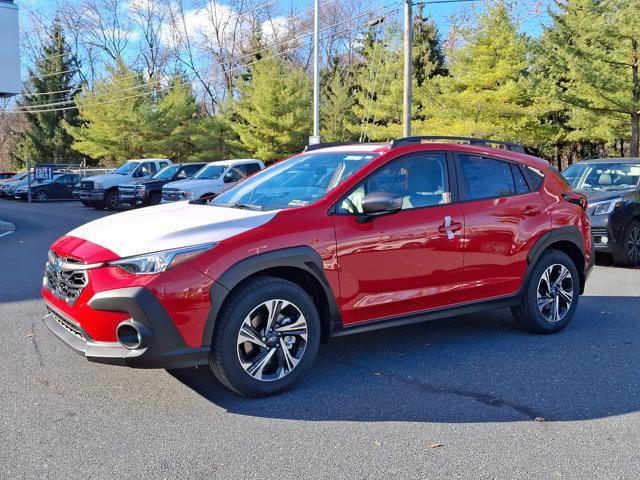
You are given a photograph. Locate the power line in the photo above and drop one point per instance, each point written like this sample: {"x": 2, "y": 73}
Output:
{"x": 29, "y": 109}
{"x": 240, "y": 14}
{"x": 225, "y": 71}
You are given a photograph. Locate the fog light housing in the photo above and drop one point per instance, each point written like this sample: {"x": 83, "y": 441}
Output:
{"x": 604, "y": 239}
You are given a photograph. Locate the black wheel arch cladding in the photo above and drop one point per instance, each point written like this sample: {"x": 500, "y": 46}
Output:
{"x": 301, "y": 258}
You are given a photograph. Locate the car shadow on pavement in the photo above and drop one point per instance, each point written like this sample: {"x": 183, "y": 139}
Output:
{"x": 474, "y": 368}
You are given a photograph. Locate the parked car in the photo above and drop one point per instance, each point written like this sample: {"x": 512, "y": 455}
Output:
{"x": 8, "y": 188}
{"x": 612, "y": 186}
{"x": 329, "y": 242}
{"x": 16, "y": 178}
{"x": 4, "y": 174}
{"x": 211, "y": 180}
{"x": 59, "y": 188}
{"x": 101, "y": 191}
{"x": 149, "y": 191}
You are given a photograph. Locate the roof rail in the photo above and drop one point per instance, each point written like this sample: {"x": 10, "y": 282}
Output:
{"x": 483, "y": 142}
{"x": 318, "y": 146}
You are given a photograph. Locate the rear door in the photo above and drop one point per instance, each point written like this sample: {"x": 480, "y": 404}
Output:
{"x": 405, "y": 262}
{"x": 504, "y": 215}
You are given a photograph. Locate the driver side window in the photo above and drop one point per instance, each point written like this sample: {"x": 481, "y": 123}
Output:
{"x": 420, "y": 180}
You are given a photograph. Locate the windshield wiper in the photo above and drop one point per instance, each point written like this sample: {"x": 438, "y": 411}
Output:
{"x": 244, "y": 206}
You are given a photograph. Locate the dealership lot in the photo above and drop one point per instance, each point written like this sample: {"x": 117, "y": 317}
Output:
{"x": 502, "y": 403}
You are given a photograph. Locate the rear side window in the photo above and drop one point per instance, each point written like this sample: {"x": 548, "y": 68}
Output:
{"x": 519, "y": 180}
{"x": 249, "y": 168}
{"x": 535, "y": 177}
{"x": 485, "y": 178}
{"x": 190, "y": 170}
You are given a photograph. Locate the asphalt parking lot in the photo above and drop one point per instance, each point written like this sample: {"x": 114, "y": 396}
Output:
{"x": 501, "y": 403}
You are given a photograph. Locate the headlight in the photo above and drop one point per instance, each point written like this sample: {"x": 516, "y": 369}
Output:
{"x": 157, "y": 262}
{"x": 140, "y": 188}
{"x": 605, "y": 208}
{"x": 97, "y": 186}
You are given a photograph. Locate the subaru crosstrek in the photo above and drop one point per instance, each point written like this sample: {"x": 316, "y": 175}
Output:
{"x": 329, "y": 242}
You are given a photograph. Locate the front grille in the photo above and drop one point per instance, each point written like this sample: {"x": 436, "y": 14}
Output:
{"x": 171, "y": 194}
{"x": 63, "y": 283}
{"x": 126, "y": 188}
{"x": 67, "y": 325}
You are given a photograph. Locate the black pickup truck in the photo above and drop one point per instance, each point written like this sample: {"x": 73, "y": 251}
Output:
{"x": 148, "y": 191}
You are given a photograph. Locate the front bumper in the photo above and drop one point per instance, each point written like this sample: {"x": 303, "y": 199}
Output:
{"x": 89, "y": 195}
{"x": 162, "y": 345}
{"x": 132, "y": 199}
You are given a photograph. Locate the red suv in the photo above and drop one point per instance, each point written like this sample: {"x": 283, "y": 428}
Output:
{"x": 333, "y": 241}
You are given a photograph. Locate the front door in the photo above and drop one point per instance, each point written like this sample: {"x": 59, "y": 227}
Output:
{"x": 404, "y": 262}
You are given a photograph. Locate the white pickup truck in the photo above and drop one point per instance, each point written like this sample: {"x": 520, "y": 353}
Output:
{"x": 101, "y": 191}
{"x": 211, "y": 179}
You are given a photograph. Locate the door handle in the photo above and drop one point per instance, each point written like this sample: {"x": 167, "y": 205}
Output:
{"x": 449, "y": 227}
{"x": 531, "y": 210}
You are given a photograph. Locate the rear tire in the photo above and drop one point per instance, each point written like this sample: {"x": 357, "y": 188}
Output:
{"x": 41, "y": 196}
{"x": 629, "y": 253}
{"x": 551, "y": 294}
{"x": 278, "y": 347}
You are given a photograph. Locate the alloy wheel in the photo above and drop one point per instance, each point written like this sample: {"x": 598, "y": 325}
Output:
{"x": 633, "y": 244}
{"x": 555, "y": 292}
{"x": 272, "y": 340}
{"x": 41, "y": 196}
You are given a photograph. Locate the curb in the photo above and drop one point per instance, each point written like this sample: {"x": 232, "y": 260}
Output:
{"x": 6, "y": 227}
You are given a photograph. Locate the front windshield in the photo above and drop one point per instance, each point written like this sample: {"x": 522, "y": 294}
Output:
{"x": 126, "y": 169}
{"x": 295, "y": 182}
{"x": 166, "y": 173}
{"x": 604, "y": 176}
{"x": 19, "y": 176}
{"x": 210, "y": 172}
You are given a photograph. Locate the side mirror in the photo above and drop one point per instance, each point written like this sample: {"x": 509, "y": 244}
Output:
{"x": 228, "y": 178}
{"x": 379, "y": 203}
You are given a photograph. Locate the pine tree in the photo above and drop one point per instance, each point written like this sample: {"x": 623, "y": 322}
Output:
{"x": 593, "y": 47}
{"x": 272, "y": 114}
{"x": 336, "y": 115}
{"x": 115, "y": 127}
{"x": 487, "y": 94}
{"x": 45, "y": 139}
{"x": 127, "y": 117}
{"x": 428, "y": 55}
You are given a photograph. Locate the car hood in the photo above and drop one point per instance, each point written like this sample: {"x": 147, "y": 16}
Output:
{"x": 109, "y": 178}
{"x": 594, "y": 196}
{"x": 142, "y": 181}
{"x": 191, "y": 183}
{"x": 172, "y": 225}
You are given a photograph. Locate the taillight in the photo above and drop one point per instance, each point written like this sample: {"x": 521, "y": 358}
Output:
{"x": 577, "y": 198}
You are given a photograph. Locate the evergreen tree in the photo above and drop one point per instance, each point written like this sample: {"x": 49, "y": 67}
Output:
{"x": 126, "y": 117}
{"x": 487, "y": 94}
{"x": 336, "y": 115}
{"x": 45, "y": 139}
{"x": 272, "y": 114}
{"x": 593, "y": 47}
{"x": 428, "y": 55}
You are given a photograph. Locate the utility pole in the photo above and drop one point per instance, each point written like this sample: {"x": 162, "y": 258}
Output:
{"x": 408, "y": 67}
{"x": 315, "y": 139}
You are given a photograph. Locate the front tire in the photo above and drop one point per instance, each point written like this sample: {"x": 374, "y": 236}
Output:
{"x": 629, "y": 253}
{"x": 111, "y": 200}
{"x": 551, "y": 294}
{"x": 266, "y": 337}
